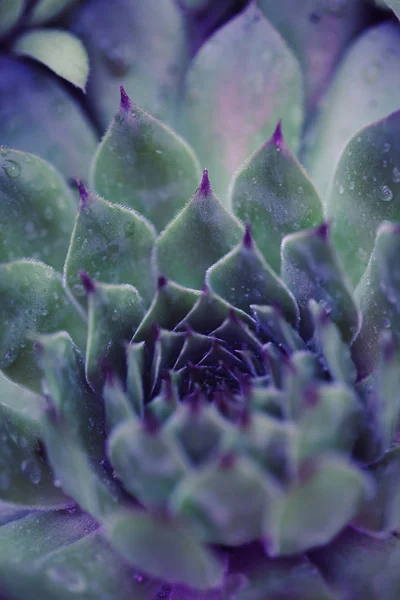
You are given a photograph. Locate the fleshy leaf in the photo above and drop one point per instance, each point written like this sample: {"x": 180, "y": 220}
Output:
{"x": 38, "y": 115}
{"x": 114, "y": 313}
{"x": 273, "y": 324}
{"x": 378, "y": 296}
{"x": 244, "y": 69}
{"x": 10, "y": 12}
{"x": 46, "y": 10}
{"x": 25, "y": 478}
{"x": 143, "y": 164}
{"x": 136, "y": 364}
{"x": 311, "y": 270}
{"x": 199, "y": 236}
{"x": 243, "y": 278}
{"x": 315, "y": 510}
{"x": 164, "y": 549}
{"x": 60, "y": 51}
{"x": 318, "y": 32}
{"x": 148, "y": 462}
{"x": 37, "y": 209}
{"x": 32, "y": 301}
{"x": 365, "y": 88}
{"x": 395, "y": 6}
{"x": 142, "y": 45}
{"x": 118, "y": 407}
{"x": 112, "y": 244}
{"x": 215, "y": 500}
{"x": 274, "y": 194}
{"x": 365, "y": 192}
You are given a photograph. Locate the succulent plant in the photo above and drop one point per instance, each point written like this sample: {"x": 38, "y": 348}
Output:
{"x": 199, "y": 391}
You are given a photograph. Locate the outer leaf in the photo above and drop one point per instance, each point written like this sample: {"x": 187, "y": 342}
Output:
{"x": 319, "y": 506}
{"x": 244, "y": 69}
{"x": 243, "y": 278}
{"x": 142, "y": 45}
{"x": 42, "y": 118}
{"x": 318, "y": 31}
{"x": 395, "y": 6}
{"x": 143, "y": 164}
{"x": 274, "y": 194}
{"x": 365, "y": 88}
{"x": 112, "y": 244}
{"x": 36, "y": 209}
{"x": 164, "y": 549}
{"x": 199, "y": 236}
{"x": 10, "y": 12}
{"x": 46, "y": 10}
{"x": 32, "y": 301}
{"x": 311, "y": 270}
{"x": 378, "y": 297}
{"x": 60, "y": 51}
{"x": 365, "y": 192}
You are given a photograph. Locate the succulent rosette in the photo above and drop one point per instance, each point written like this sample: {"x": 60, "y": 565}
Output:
{"x": 200, "y": 340}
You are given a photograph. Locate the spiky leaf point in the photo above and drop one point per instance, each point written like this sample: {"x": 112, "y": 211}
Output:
{"x": 114, "y": 312}
{"x": 59, "y": 50}
{"x": 311, "y": 270}
{"x": 365, "y": 192}
{"x": 161, "y": 547}
{"x": 334, "y": 353}
{"x": 361, "y": 92}
{"x": 37, "y": 209}
{"x": 33, "y": 299}
{"x": 216, "y": 497}
{"x": 377, "y": 297}
{"x": 243, "y": 278}
{"x": 112, "y": 244}
{"x": 274, "y": 194}
{"x": 199, "y": 236}
{"x": 66, "y": 388}
{"x": 228, "y": 80}
{"x": 143, "y": 164}
{"x": 42, "y": 118}
{"x": 327, "y": 496}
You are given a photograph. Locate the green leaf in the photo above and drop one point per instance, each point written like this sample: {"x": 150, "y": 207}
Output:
{"x": 274, "y": 194}
{"x": 38, "y": 115}
{"x": 236, "y": 91}
{"x": 118, "y": 407}
{"x": 46, "y": 10}
{"x": 215, "y": 500}
{"x": 10, "y": 12}
{"x": 112, "y": 244}
{"x": 319, "y": 32}
{"x": 33, "y": 301}
{"x": 326, "y": 498}
{"x": 272, "y": 323}
{"x": 60, "y": 51}
{"x": 365, "y": 192}
{"x": 198, "y": 236}
{"x": 66, "y": 388}
{"x": 378, "y": 296}
{"x": 364, "y": 89}
{"x": 361, "y": 567}
{"x": 143, "y": 164}
{"x": 164, "y": 549}
{"x": 243, "y": 278}
{"x": 142, "y": 45}
{"x": 114, "y": 313}
{"x": 311, "y": 270}
{"x": 37, "y": 209}
{"x": 25, "y": 478}
{"x": 136, "y": 365}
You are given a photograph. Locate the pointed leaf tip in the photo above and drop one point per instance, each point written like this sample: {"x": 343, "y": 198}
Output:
{"x": 83, "y": 191}
{"x": 248, "y": 238}
{"x": 161, "y": 282}
{"x": 125, "y": 100}
{"x": 277, "y": 136}
{"x": 87, "y": 282}
{"x": 205, "y": 186}
{"x": 322, "y": 230}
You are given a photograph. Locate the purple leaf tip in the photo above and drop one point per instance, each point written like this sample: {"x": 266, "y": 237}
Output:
{"x": 162, "y": 282}
{"x": 205, "y": 186}
{"x": 125, "y": 100}
{"x": 322, "y": 230}
{"x": 83, "y": 192}
{"x": 277, "y": 136}
{"x": 248, "y": 238}
{"x": 227, "y": 460}
{"x": 87, "y": 282}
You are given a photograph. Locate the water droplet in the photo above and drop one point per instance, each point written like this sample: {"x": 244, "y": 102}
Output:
{"x": 396, "y": 175}
{"x": 386, "y": 193}
{"x": 32, "y": 470}
{"x": 341, "y": 190}
{"x": 11, "y": 168}
{"x": 386, "y": 147}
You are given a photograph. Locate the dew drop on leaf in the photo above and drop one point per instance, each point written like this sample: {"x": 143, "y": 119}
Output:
{"x": 386, "y": 193}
